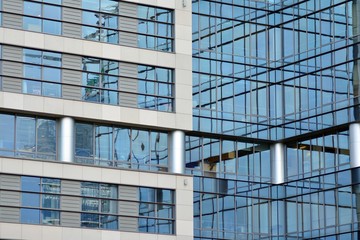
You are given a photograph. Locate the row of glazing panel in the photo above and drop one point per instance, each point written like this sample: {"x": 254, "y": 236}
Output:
{"x": 230, "y": 159}
{"x": 117, "y": 146}
{"x": 95, "y": 144}
{"x": 107, "y": 21}
{"x": 274, "y": 74}
{"x": 48, "y": 201}
{"x": 310, "y": 208}
{"x": 89, "y": 79}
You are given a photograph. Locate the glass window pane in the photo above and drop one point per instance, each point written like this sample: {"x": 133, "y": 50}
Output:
{"x": 109, "y": 222}
{"x": 159, "y": 150}
{"x": 25, "y": 134}
{"x": 84, "y": 140}
{"x": 91, "y": 4}
{"x": 51, "y": 90}
{"x": 32, "y": 24}
{"x": 52, "y": 12}
{"x": 30, "y": 216}
{"x": 122, "y": 144}
{"x": 50, "y": 185}
{"x": 32, "y": 8}
{"x": 50, "y": 217}
{"x": 31, "y": 87}
{"x": 30, "y": 200}
{"x": 90, "y": 205}
{"x": 30, "y": 184}
{"x": 90, "y": 18}
{"x": 90, "y": 33}
{"x": 31, "y": 71}
{"x": 103, "y": 143}
{"x": 51, "y": 74}
{"x": 52, "y": 59}
{"x": 50, "y": 201}
{"x": 46, "y": 136}
{"x": 89, "y": 220}
{"x": 110, "y": 6}
{"x": 90, "y": 189}
{"x": 52, "y": 27}
{"x": 7, "y": 130}
{"x": 32, "y": 56}
{"x": 146, "y": 194}
{"x": 140, "y": 147}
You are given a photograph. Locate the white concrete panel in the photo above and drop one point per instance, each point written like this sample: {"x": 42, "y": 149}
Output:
{"x": 184, "y": 228}
{"x": 10, "y": 165}
{"x": 91, "y": 174}
{"x": 148, "y": 179}
{"x": 32, "y": 167}
{"x": 166, "y": 181}
{"x": 130, "y": 177}
{"x": 53, "y": 233}
{"x": 71, "y": 233}
{"x": 110, "y": 175}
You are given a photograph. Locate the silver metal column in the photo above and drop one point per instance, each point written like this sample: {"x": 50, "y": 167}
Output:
{"x": 176, "y": 145}
{"x": 277, "y": 158}
{"x": 66, "y": 139}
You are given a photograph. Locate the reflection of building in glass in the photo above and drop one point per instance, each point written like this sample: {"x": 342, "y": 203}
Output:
{"x": 239, "y": 120}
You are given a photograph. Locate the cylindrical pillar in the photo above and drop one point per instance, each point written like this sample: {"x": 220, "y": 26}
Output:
{"x": 354, "y": 144}
{"x": 66, "y": 139}
{"x": 277, "y": 158}
{"x": 176, "y": 145}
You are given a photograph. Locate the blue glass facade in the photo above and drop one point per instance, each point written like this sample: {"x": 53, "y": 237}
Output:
{"x": 267, "y": 72}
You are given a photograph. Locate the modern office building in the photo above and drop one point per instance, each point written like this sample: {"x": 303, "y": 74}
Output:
{"x": 179, "y": 119}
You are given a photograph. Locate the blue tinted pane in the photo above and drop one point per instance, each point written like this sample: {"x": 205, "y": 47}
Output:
{"x": 89, "y": 220}
{"x": 46, "y": 140}
{"x": 32, "y": 8}
{"x": 109, "y": 222}
{"x": 52, "y": 59}
{"x": 147, "y": 225}
{"x": 32, "y": 56}
{"x": 90, "y": 205}
{"x": 50, "y": 217}
{"x": 84, "y": 138}
{"x": 31, "y": 87}
{"x": 147, "y": 194}
{"x": 30, "y": 184}
{"x": 30, "y": 200}
{"x": 165, "y": 226}
{"x": 109, "y": 21}
{"x": 52, "y": 27}
{"x": 52, "y": 1}
{"x": 110, "y": 6}
{"x": 50, "y": 185}
{"x": 51, "y": 90}
{"x": 50, "y": 201}
{"x": 90, "y": 33}
{"x": 32, "y": 24}
{"x": 146, "y": 12}
{"x": 51, "y": 74}
{"x": 52, "y": 12}
{"x": 90, "y": 18}
{"x": 30, "y": 216}
{"x": 31, "y": 71}
{"x": 147, "y": 209}
{"x": 7, "y": 130}
{"x": 91, "y": 4}
{"x": 25, "y": 134}
{"x": 109, "y": 36}
{"x": 90, "y": 189}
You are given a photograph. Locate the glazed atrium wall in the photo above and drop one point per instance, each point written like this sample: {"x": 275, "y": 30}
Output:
{"x": 274, "y": 149}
